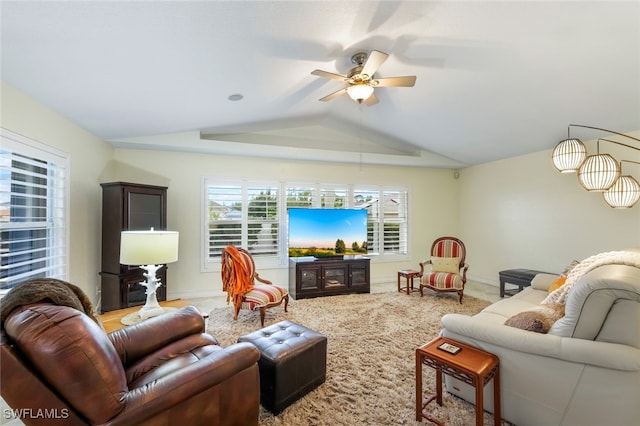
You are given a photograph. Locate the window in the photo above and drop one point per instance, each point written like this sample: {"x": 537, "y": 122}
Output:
{"x": 254, "y": 215}
{"x": 33, "y": 211}
{"x": 243, "y": 214}
{"x": 387, "y": 219}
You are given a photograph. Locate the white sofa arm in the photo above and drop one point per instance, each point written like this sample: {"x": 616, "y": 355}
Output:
{"x": 601, "y": 354}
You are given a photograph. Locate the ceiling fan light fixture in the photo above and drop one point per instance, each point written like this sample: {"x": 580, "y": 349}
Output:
{"x": 359, "y": 92}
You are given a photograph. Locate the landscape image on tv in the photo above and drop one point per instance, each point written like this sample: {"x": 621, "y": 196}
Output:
{"x": 327, "y": 232}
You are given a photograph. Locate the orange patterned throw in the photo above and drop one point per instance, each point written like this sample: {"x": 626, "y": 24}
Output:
{"x": 237, "y": 276}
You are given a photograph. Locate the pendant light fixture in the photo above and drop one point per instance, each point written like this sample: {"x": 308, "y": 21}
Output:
{"x": 599, "y": 172}
{"x": 569, "y": 155}
{"x": 623, "y": 194}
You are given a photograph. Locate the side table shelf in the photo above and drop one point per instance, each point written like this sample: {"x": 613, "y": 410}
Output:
{"x": 470, "y": 365}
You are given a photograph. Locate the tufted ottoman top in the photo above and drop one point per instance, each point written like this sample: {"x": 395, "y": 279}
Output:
{"x": 283, "y": 339}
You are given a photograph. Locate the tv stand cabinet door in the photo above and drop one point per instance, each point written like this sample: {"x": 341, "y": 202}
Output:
{"x": 334, "y": 277}
{"x": 308, "y": 279}
{"x": 359, "y": 275}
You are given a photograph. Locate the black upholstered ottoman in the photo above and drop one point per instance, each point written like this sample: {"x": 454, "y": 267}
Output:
{"x": 292, "y": 363}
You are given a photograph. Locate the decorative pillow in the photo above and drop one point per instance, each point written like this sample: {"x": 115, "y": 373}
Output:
{"x": 557, "y": 284}
{"x": 538, "y": 319}
{"x": 445, "y": 264}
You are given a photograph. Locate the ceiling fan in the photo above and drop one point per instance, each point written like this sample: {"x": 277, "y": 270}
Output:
{"x": 360, "y": 81}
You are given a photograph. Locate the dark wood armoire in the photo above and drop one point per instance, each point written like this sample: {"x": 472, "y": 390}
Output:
{"x": 128, "y": 207}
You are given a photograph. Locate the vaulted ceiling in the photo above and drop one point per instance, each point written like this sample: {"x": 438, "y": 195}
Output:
{"x": 494, "y": 79}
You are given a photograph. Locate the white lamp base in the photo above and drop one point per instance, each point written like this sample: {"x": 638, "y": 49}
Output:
{"x": 135, "y": 317}
{"x": 151, "y": 308}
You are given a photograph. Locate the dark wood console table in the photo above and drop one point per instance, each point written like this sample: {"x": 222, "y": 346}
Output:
{"x": 316, "y": 277}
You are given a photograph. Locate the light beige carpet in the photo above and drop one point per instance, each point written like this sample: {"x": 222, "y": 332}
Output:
{"x": 371, "y": 343}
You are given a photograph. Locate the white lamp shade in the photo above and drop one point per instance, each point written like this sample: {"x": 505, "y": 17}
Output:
{"x": 569, "y": 155}
{"x": 598, "y": 172}
{"x": 359, "y": 92}
{"x": 623, "y": 194}
{"x": 148, "y": 247}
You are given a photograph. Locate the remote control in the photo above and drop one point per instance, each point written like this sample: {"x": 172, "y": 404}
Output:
{"x": 448, "y": 347}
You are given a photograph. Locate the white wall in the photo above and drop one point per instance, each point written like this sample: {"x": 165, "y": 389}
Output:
{"x": 89, "y": 156}
{"x": 523, "y": 213}
{"x": 184, "y": 172}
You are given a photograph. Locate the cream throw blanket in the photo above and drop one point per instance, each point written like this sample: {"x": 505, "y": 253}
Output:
{"x": 631, "y": 258}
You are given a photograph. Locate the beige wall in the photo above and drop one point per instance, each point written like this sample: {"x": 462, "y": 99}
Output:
{"x": 512, "y": 213}
{"x": 522, "y": 213}
{"x": 88, "y": 156}
{"x": 184, "y": 173}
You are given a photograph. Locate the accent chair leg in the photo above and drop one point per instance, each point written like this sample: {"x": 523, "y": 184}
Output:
{"x": 263, "y": 311}
{"x": 286, "y": 302}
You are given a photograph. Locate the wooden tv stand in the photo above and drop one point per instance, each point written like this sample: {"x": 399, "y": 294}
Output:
{"x": 316, "y": 277}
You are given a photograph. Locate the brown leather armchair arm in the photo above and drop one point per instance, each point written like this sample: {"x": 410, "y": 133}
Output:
{"x": 166, "y": 392}
{"x": 134, "y": 342}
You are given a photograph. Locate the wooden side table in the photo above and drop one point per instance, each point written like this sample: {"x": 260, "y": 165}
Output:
{"x": 409, "y": 275}
{"x": 470, "y": 365}
{"x": 111, "y": 320}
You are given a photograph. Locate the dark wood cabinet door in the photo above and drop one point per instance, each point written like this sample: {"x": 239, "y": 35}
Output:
{"x": 334, "y": 276}
{"x": 144, "y": 209}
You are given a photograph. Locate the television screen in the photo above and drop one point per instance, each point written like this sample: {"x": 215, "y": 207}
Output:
{"x": 327, "y": 232}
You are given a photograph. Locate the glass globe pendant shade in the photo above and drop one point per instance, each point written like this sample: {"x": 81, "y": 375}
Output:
{"x": 359, "y": 92}
{"x": 569, "y": 155}
{"x": 598, "y": 172}
{"x": 623, "y": 194}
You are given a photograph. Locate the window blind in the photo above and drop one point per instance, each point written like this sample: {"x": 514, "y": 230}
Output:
{"x": 33, "y": 211}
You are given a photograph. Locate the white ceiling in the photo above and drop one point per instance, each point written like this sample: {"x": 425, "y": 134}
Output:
{"x": 494, "y": 79}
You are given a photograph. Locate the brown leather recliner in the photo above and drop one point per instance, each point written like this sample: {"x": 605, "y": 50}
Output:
{"x": 163, "y": 371}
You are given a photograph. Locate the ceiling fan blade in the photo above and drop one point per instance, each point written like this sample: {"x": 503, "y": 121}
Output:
{"x": 375, "y": 59}
{"x": 328, "y": 74}
{"x": 334, "y": 95}
{"x": 371, "y": 100}
{"x": 406, "y": 81}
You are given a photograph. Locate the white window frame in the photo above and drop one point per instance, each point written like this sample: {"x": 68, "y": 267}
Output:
{"x": 57, "y": 208}
{"x": 266, "y": 261}
{"x": 317, "y": 190}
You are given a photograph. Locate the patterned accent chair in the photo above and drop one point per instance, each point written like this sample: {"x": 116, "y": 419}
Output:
{"x": 237, "y": 265}
{"x": 447, "y": 271}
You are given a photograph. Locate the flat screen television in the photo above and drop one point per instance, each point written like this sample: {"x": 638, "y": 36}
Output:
{"x": 327, "y": 233}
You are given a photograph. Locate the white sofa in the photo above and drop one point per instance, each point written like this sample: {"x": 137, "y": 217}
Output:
{"x": 584, "y": 371}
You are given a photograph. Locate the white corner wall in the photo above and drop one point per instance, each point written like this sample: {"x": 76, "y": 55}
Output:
{"x": 523, "y": 213}
{"x": 88, "y": 157}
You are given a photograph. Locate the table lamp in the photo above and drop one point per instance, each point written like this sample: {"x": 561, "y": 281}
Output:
{"x": 149, "y": 250}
